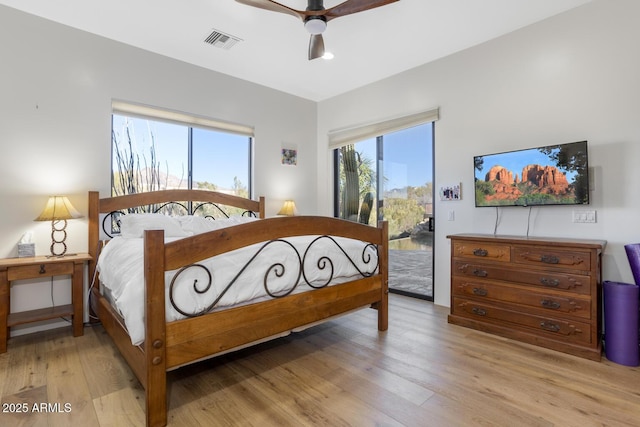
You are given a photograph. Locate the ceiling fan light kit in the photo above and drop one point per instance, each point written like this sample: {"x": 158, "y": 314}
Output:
{"x": 315, "y": 25}
{"x": 315, "y": 17}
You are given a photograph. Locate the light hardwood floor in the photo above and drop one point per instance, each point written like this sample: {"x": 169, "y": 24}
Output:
{"x": 421, "y": 372}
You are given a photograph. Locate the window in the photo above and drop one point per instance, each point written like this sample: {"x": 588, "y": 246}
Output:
{"x": 157, "y": 150}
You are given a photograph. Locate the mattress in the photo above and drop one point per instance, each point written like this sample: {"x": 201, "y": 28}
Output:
{"x": 247, "y": 275}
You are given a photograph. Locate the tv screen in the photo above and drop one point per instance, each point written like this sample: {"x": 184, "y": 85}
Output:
{"x": 550, "y": 175}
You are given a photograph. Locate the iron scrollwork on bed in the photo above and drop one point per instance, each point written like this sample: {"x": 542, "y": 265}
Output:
{"x": 209, "y": 210}
{"x": 316, "y": 267}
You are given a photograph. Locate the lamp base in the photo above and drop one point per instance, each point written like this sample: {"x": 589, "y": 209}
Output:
{"x": 56, "y": 241}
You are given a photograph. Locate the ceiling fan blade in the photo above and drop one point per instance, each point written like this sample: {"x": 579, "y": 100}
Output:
{"x": 316, "y": 46}
{"x": 354, "y": 6}
{"x": 316, "y": 12}
{"x": 274, "y": 7}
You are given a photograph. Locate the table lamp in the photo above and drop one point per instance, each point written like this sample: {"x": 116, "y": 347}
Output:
{"x": 288, "y": 209}
{"x": 58, "y": 209}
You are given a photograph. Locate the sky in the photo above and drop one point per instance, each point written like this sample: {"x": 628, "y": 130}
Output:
{"x": 408, "y": 156}
{"x": 514, "y": 161}
{"x": 218, "y": 156}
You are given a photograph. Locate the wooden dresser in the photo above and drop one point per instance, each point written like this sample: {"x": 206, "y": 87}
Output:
{"x": 542, "y": 291}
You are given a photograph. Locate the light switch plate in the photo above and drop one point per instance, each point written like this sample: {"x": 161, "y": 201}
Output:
{"x": 584, "y": 216}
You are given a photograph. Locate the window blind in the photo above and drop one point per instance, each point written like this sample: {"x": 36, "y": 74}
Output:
{"x": 351, "y": 135}
{"x": 147, "y": 112}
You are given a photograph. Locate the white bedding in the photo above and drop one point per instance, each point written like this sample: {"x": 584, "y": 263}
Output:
{"x": 121, "y": 271}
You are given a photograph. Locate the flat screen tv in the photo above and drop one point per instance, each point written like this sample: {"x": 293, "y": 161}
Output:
{"x": 549, "y": 175}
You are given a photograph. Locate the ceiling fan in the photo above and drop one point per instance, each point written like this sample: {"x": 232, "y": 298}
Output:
{"x": 315, "y": 17}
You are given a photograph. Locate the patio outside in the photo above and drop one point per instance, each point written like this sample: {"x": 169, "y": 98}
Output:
{"x": 411, "y": 263}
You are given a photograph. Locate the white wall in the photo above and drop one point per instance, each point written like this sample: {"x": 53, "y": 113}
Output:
{"x": 56, "y": 87}
{"x": 572, "y": 77}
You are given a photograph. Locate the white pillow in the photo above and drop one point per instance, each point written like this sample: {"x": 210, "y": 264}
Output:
{"x": 198, "y": 224}
{"x": 239, "y": 219}
{"x": 133, "y": 225}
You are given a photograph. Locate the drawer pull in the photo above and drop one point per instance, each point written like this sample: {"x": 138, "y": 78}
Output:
{"x": 547, "y": 303}
{"x": 550, "y": 259}
{"x": 549, "y": 282}
{"x": 551, "y": 327}
{"x": 480, "y": 273}
{"x": 480, "y": 292}
{"x": 480, "y": 252}
{"x": 43, "y": 270}
{"x": 479, "y": 311}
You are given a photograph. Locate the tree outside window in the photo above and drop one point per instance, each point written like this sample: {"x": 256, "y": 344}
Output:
{"x": 150, "y": 155}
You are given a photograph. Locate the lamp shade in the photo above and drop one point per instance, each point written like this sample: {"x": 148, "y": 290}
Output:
{"x": 58, "y": 208}
{"x": 288, "y": 208}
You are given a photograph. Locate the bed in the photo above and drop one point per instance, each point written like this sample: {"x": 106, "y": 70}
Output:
{"x": 199, "y": 334}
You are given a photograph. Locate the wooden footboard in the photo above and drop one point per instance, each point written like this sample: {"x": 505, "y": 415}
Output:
{"x": 174, "y": 344}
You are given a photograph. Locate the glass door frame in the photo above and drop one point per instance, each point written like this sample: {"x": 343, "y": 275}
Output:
{"x": 379, "y": 201}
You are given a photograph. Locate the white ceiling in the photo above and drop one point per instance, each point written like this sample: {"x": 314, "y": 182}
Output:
{"x": 368, "y": 46}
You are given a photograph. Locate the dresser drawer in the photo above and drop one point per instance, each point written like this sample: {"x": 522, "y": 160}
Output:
{"x": 574, "y": 283}
{"x": 553, "y": 303}
{"x": 546, "y": 326}
{"x": 542, "y": 291}
{"x": 35, "y": 270}
{"x": 482, "y": 250}
{"x": 551, "y": 257}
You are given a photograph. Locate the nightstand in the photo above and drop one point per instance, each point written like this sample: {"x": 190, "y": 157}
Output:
{"x": 35, "y": 267}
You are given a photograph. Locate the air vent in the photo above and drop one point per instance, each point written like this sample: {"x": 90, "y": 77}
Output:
{"x": 222, "y": 40}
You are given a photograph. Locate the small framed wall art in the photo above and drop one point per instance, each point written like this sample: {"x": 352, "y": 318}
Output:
{"x": 289, "y": 155}
{"x": 450, "y": 192}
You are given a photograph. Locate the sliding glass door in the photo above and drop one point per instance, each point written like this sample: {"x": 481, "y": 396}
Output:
{"x": 390, "y": 177}
{"x": 407, "y": 165}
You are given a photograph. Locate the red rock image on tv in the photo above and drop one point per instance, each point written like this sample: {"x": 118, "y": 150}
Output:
{"x": 540, "y": 179}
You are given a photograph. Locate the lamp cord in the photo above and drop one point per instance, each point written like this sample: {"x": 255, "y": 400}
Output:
{"x": 93, "y": 279}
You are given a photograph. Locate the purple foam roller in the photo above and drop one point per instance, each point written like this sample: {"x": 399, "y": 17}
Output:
{"x": 621, "y": 323}
{"x": 633, "y": 253}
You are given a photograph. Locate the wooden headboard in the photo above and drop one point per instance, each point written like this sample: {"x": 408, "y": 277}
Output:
{"x": 108, "y": 205}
